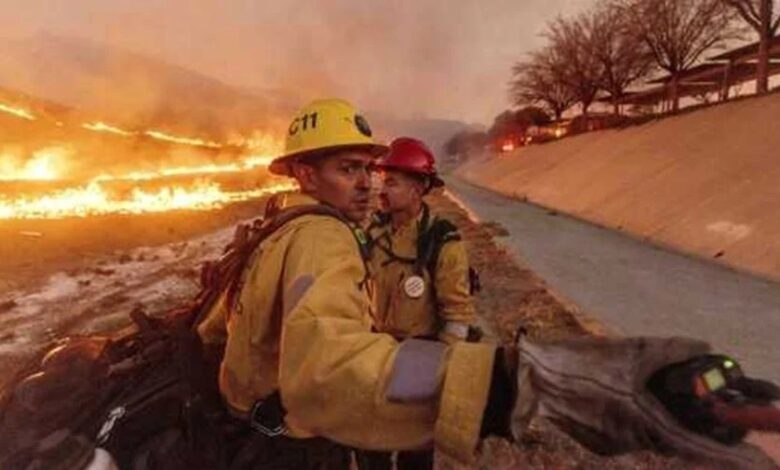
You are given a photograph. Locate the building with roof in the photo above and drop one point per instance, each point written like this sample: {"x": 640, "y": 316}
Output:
{"x": 718, "y": 75}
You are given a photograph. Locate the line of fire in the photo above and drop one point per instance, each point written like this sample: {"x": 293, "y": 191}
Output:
{"x": 56, "y": 165}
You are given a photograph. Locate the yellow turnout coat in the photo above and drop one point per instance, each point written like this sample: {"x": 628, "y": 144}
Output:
{"x": 302, "y": 325}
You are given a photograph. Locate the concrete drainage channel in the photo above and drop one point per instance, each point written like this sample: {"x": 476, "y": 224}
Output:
{"x": 633, "y": 288}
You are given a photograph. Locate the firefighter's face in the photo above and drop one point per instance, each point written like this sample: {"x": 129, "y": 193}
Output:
{"x": 401, "y": 192}
{"x": 341, "y": 180}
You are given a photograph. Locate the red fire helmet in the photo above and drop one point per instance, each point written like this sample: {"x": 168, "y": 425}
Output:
{"x": 412, "y": 156}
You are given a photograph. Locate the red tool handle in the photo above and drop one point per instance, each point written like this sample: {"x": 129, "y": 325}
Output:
{"x": 760, "y": 418}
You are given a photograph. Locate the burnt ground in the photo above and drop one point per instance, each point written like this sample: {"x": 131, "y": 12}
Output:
{"x": 84, "y": 277}
{"x": 31, "y": 250}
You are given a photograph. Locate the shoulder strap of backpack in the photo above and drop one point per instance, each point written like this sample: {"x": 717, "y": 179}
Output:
{"x": 224, "y": 275}
{"x": 434, "y": 232}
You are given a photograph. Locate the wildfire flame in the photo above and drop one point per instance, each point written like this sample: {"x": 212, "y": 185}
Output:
{"x": 44, "y": 165}
{"x": 94, "y": 199}
{"x": 18, "y": 112}
{"x": 127, "y": 192}
{"x": 159, "y": 135}
{"x": 248, "y": 163}
{"x": 103, "y": 127}
{"x": 99, "y": 126}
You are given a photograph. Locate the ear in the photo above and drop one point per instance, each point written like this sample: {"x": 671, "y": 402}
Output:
{"x": 306, "y": 176}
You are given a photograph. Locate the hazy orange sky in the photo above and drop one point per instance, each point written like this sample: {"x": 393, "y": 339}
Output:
{"x": 431, "y": 58}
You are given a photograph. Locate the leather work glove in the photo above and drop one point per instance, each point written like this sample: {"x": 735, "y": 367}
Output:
{"x": 595, "y": 389}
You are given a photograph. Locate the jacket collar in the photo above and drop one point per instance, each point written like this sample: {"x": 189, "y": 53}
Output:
{"x": 297, "y": 199}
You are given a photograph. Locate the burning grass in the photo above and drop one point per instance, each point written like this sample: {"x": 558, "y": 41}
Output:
{"x": 78, "y": 168}
{"x": 98, "y": 198}
{"x": 52, "y": 174}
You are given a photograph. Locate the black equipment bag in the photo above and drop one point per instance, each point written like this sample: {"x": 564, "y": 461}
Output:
{"x": 148, "y": 395}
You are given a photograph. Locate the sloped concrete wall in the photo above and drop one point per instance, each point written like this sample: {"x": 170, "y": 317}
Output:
{"x": 706, "y": 183}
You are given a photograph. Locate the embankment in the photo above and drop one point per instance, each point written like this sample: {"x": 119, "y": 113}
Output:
{"x": 705, "y": 183}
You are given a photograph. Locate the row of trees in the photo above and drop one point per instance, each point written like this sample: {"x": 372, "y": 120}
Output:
{"x": 506, "y": 126}
{"x": 619, "y": 42}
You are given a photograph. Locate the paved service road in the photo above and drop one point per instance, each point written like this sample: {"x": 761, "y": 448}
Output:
{"x": 639, "y": 289}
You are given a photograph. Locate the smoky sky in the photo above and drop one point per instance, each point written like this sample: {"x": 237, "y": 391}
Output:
{"x": 418, "y": 58}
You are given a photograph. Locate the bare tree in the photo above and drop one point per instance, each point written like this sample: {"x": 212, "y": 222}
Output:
{"x": 679, "y": 32}
{"x": 623, "y": 57}
{"x": 574, "y": 58}
{"x": 537, "y": 82}
{"x": 764, "y": 17}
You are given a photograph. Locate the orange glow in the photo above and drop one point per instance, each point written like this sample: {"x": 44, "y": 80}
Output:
{"x": 18, "y": 112}
{"x": 99, "y": 126}
{"x": 159, "y": 135}
{"x": 51, "y": 163}
{"x": 174, "y": 171}
{"x": 134, "y": 189}
{"x": 45, "y": 165}
{"x": 103, "y": 127}
{"x": 257, "y": 141}
{"x": 95, "y": 199}
{"x": 248, "y": 163}
{"x": 507, "y": 147}
{"x": 254, "y": 161}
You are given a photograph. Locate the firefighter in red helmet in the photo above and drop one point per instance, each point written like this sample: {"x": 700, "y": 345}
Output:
{"x": 420, "y": 262}
{"x": 420, "y": 267}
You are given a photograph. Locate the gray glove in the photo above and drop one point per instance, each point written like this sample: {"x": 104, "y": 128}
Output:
{"x": 595, "y": 390}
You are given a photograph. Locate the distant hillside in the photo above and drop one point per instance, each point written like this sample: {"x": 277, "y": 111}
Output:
{"x": 131, "y": 87}
{"x": 134, "y": 89}
{"x": 434, "y": 132}
{"x": 707, "y": 182}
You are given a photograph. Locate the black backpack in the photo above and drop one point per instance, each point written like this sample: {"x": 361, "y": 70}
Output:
{"x": 148, "y": 395}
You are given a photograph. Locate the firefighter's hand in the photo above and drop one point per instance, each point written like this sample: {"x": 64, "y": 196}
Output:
{"x": 595, "y": 390}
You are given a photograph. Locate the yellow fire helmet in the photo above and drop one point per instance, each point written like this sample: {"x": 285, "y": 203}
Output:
{"x": 322, "y": 127}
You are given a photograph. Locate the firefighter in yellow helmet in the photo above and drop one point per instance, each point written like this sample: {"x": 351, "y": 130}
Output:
{"x": 304, "y": 370}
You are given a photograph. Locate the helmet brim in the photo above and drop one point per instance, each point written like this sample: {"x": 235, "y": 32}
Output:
{"x": 281, "y": 165}
{"x": 436, "y": 181}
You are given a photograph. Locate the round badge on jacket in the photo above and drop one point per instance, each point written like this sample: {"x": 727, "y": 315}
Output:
{"x": 414, "y": 287}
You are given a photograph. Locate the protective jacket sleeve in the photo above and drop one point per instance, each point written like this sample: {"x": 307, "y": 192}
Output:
{"x": 453, "y": 298}
{"x": 341, "y": 381}
{"x": 213, "y": 328}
